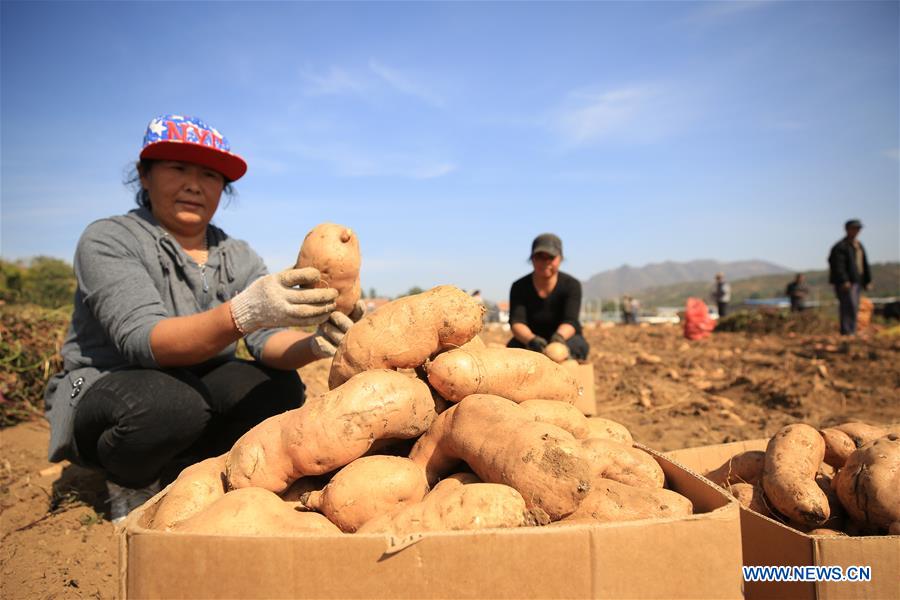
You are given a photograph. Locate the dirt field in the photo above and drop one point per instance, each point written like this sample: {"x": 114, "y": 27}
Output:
{"x": 57, "y": 543}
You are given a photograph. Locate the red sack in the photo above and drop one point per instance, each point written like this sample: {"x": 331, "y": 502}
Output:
{"x": 697, "y": 322}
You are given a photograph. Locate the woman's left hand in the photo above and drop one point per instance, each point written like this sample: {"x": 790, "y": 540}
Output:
{"x": 324, "y": 342}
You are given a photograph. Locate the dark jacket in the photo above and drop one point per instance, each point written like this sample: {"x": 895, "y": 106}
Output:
{"x": 842, "y": 265}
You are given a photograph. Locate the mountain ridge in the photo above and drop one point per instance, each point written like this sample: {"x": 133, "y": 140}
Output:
{"x": 629, "y": 280}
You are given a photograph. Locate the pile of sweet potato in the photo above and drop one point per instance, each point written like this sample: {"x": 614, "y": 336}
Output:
{"x": 424, "y": 428}
{"x": 842, "y": 480}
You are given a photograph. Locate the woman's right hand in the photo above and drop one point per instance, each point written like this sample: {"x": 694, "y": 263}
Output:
{"x": 537, "y": 343}
{"x": 274, "y": 301}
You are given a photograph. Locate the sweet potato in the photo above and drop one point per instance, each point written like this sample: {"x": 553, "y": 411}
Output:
{"x": 330, "y": 430}
{"x": 861, "y": 433}
{"x": 406, "y": 332}
{"x": 334, "y": 251}
{"x": 606, "y": 429}
{"x": 611, "y": 501}
{"x": 557, "y": 352}
{"x": 512, "y": 373}
{"x": 367, "y": 488}
{"x": 792, "y": 460}
{"x": 746, "y": 467}
{"x": 868, "y": 485}
{"x": 464, "y": 477}
{"x": 751, "y": 496}
{"x": 503, "y": 444}
{"x": 625, "y": 464}
{"x": 453, "y": 506}
{"x": 196, "y": 487}
{"x": 836, "y": 513}
{"x": 254, "y": 511}
{"x": 824, "y": 531}
{"x": 565, "y": 416}
{"x": 303, "y": 486}
{"x": 838, "y": 446}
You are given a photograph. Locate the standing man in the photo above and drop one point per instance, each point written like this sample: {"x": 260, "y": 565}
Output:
{"x": 627, "y": 315}
{"x": 797, "y": 292}
{"x": 722, "y": 294}
{"x": 848, "y": 272}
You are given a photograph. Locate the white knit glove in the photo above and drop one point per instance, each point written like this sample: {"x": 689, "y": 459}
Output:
{"x": 273, "y": 301}
{"x": 328, "y": 336}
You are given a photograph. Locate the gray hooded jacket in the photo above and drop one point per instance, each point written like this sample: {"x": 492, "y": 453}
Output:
{"x": 131, "y": 274}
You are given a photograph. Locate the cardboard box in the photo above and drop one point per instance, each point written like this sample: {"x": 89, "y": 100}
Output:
{"x": 768, "y": 542}
{"x": 587, "y": 402}
{"x": 694, "y": 557}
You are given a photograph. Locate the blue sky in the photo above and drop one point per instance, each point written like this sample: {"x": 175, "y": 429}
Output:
{"x": 450, "y": 134}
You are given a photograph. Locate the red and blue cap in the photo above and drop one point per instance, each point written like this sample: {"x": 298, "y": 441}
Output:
{"x": 188, "y": 139}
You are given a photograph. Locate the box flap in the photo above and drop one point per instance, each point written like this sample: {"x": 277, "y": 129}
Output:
{"x": 881, "y": 553}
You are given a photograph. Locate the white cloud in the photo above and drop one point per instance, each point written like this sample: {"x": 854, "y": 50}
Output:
{"x": 636, "y": 114}
{"x": 893, "y": 153}
{"x": 405, "y": 84}
{"x": 336, "y": 81}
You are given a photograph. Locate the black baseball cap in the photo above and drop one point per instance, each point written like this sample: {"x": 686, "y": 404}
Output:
{"x": 853, "y": 223}
{"x": 547, "y": 242}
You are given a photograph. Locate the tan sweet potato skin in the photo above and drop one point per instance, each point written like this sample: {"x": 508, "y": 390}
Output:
{"x": 254, "y": 511}
{"x": 330, "y": 430}
{"x": 824, "y": 531}
{"x": 557, "y": 352}
{"x": 334, "y": 250}
{"x": 609, "y": 430}
{"x": 195, "y": 488}
{"x": 838, "y": 446}
{"x": 368, "y": 487}
{"x": 625, "y": 464}
{"x": 746, "y": 467}
{"x": 611, "y": 501}
{"x": 406, "y": 332}
{"x": 868, "y": 485}
{"x": 751, "y": 496}
{"x": 792, "y": 461}
{"x": 563, "y": 415}
{"x": 303, "y": 486}
{"x": 454, "y": 506}
{"x": 861, "y": 433}
{"x": 836, "y": 513}
{"x": 512, "y": 373}
{"x": 503, "y": 444}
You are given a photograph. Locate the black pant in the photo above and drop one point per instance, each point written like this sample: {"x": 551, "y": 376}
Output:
{"x": 723, "y": 309}
{"x": 848, "y": 307}
{"x": 578, "y": 346}
{"x": 139, "y": 425}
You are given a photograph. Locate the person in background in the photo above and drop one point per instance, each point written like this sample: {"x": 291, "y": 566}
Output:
{"x": 544, "y": 305}
{"x": 721, "y": 294}
{"x": 635, "y": 309}
{"x": 797, "y": 292}
{"x": 848, "y": 272}
{"x": 627, "y": 314}
{"x": 150, "y": 380}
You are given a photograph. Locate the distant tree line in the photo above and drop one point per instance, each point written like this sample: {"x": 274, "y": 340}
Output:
{"x": 45, "y": 281}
